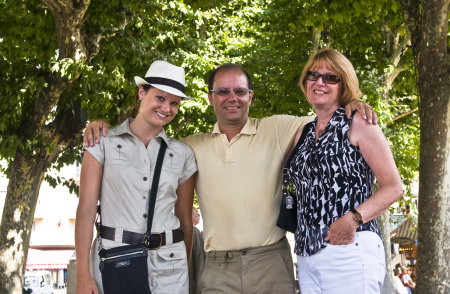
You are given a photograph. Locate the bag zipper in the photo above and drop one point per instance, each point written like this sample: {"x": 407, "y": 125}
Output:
{"x": 121, "y": 255}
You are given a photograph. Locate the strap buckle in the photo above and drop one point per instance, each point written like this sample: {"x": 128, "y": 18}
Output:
{"x": 148, "y": 240}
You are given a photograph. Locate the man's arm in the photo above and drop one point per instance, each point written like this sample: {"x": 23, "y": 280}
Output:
{"x": 92, "y": 131}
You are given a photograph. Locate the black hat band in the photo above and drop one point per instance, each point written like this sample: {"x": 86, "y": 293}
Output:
{"x": 166, "y": 82}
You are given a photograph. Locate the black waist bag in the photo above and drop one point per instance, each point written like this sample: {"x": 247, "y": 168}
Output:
{"x": 124, "y": 269}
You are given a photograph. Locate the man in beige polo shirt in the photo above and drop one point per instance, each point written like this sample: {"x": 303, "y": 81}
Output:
{"x": 239, "y": 189}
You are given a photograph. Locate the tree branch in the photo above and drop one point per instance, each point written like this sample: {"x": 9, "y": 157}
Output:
{"x": 400, "y": 49}
{"x": 403, "y": 115}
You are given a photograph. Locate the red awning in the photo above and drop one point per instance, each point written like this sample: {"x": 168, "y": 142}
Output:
{"x": 48, "y": 259}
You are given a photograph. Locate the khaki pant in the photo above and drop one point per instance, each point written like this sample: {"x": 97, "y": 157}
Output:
{"x": 266, "y": 269}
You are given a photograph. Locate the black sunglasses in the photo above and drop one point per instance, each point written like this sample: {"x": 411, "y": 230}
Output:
{"x": 326, "y": 78}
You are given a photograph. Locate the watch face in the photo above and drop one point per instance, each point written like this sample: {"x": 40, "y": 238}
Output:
{"x": 358, "y": 218}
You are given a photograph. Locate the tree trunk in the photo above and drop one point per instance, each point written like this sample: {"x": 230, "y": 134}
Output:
{"x": 428, "y": 26}
{"x": 28, "y": 168}
{"x": 385, "y": 230}
{"x": 434, "y": 185}
{"x": 20, "y": 203}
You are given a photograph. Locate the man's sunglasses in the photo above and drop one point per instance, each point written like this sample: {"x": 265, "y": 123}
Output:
{"x": 227, "y": 91}
{"x": 326, "y": 78}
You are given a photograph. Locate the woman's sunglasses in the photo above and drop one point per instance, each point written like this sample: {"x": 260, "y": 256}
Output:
{"x": 326, "y": 78}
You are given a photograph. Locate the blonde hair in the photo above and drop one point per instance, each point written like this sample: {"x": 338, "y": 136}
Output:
{"x": 339, "y": 64}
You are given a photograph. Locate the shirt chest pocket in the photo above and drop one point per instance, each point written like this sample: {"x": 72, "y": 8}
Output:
{"x": 173, "y": 162}
{"x": 121, "y": 153}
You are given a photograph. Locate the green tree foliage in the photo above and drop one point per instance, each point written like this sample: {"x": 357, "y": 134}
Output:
{"x": 372, "y": 34}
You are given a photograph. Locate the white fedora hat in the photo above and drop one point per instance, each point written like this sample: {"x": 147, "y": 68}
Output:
{"x": 165, "y": 76}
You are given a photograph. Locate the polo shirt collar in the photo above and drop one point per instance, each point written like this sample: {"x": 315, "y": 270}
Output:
{"x": 248, "y": 129}
{"x": 124, "y": 128}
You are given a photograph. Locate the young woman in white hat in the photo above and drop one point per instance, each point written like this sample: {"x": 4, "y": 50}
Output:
{"x": 119, "y": 170}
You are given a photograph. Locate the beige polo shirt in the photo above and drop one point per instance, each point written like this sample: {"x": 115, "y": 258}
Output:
{"x": 239, "y": 182}
{"x": 128, "y": 168}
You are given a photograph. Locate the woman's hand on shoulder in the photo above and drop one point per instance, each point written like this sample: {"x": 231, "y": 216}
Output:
{"x": 91, "y": 134}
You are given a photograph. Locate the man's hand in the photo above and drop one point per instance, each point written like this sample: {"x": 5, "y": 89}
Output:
{"x": 342, "y": 231}
{"x": 92, "y": 132}
{"x": 364, "y": 109}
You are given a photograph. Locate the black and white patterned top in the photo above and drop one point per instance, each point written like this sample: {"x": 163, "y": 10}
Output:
{"x": 330, "y": 176}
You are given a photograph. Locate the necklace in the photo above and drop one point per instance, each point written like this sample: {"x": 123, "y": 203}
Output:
{"x": 319, "y": 133}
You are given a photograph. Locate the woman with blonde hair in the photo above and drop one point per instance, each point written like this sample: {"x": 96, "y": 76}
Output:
{"x": 332, "y": 167}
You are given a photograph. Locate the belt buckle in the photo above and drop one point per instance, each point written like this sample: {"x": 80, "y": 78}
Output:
{"x": 147, "y": 241}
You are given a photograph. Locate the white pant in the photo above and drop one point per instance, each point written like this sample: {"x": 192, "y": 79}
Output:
{"x": 354, "y": 268}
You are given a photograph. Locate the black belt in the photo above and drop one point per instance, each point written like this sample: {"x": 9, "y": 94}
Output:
{"x": 156, "y": 240}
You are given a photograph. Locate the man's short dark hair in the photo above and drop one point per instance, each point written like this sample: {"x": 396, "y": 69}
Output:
{"x": 229, "y": 66}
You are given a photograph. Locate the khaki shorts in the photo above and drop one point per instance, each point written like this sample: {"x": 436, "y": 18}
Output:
{"x": 266, "y": 269}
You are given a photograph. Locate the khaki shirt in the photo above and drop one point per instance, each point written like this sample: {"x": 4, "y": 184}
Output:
{"x": 128, "y": 168}
{"x": 239, "y": 182}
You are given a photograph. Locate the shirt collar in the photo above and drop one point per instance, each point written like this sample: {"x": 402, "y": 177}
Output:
{"x": 248, "y": 129}
{"x": 124, "y": 128}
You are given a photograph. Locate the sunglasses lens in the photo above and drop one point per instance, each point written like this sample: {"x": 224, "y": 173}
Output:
{"x": 312, "y": 76}
{"x": 330, "y": 79}
{"x": 240, "y": 91}
{"x": 223, "y": 92}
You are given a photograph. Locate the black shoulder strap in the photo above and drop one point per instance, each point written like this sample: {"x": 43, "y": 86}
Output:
{"x": 155, "y": 183}
{"x": 305, "y": 130}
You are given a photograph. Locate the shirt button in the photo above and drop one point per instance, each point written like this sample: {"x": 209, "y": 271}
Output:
{"x": 145, "y": 178}
{"x": 119, "y": 146}
{"x": 244, "y": 252}
{"x": 144, "y": 215}
{"x": 172, "y": 255}
{"x": 143, "y": 197}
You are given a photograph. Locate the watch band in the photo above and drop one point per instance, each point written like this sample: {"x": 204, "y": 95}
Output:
{"x": 357, "y": 217}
